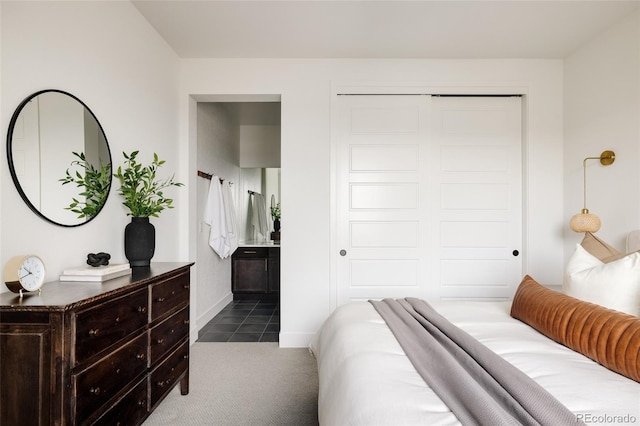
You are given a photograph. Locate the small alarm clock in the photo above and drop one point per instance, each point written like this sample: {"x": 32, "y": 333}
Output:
{"x": 24, "y": 273}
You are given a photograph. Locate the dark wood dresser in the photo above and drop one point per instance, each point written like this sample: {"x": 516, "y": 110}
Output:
{"x": 85, "y": 353}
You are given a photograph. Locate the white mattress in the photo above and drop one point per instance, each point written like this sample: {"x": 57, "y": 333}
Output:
{"x": 366, "y": 379}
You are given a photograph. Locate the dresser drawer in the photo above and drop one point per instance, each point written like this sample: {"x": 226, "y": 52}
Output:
{"x": 168, "y": 334}
{"x": 130, "y": 410}
{"x": 105, "y": 379}
{"x": 103, "y": 325}
{"x": 165, "y": 376}
{"x": 169, "y": 295}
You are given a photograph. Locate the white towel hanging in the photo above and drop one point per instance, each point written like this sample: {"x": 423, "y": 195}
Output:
{"x": 231, "y": 237}
{"x": 215, "y": 217}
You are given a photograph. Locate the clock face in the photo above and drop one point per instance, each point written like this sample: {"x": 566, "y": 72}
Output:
{"x": 31, "y": 273}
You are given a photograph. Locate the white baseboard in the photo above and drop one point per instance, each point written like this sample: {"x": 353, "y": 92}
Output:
{"x": 295, "y": 340}
{"x": 214, "y": 310}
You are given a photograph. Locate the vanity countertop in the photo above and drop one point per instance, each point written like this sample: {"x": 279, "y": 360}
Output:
{"x": 259, "y": 244}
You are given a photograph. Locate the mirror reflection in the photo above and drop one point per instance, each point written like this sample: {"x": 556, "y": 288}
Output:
{"x": 265, "y": 181}
{"x": 59, "y": 158}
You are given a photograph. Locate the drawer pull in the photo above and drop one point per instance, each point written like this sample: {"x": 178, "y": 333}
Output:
{"x": 186, "y": 321}
{"x": 142, "y": 403}
{"x": 186, "y": 286}
{"x": 140, "y": 356}
{"x": 95, "y": 391}
{"x": 117, "y": 320}
{"x": 142, "y": 309}
{"x": 249, "y": 252}
{"x": 94, "y": 332}
{"x": 185, "y": 356}
{"x": 160, "y": 299}
{"x": 160, "y": 341}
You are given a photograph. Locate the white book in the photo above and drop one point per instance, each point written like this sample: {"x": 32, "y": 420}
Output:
{"x": 88, "y": 270}
{"x": 96, "y": 278}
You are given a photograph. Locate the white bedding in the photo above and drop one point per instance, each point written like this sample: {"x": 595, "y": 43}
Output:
{"x": 366, "y": 379}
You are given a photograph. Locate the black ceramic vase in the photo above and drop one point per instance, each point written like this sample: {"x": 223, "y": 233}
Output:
{"x": 276, "y": 225}
{"x": 139, "y": 241}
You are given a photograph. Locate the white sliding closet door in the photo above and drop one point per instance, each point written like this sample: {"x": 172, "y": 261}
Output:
{"x": 383, "y": 215}
{"x": 478, "y": 214}
{"x": 429, "y": 196}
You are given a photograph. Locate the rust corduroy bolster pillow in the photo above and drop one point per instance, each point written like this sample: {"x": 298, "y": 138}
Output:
{"x": 608, "y": 337}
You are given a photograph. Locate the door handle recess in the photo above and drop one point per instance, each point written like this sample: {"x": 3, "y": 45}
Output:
{"x": 343, "y": 252}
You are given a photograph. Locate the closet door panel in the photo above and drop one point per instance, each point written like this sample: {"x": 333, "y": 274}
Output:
{"x": 428, "y": 197}
{"x": 382, "y": 195}
{"x": 478, "y": 172}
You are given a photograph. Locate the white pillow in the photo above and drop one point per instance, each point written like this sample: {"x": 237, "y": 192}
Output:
{"x": 614, "y": 285}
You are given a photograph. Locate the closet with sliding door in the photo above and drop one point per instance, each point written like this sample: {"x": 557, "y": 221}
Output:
{"x": 429, "y": 196}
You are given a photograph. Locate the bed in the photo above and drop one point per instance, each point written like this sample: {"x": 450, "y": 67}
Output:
{"x": 587, "y": 358}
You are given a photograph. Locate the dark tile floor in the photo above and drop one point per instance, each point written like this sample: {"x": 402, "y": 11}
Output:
{"x": 244, "y": 321}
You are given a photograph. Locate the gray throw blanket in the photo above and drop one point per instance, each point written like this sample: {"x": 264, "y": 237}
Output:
{"x": 478, "y": 386}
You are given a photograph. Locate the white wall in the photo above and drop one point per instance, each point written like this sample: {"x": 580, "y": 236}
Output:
{"x": 106, "y": 54}
{"x": 259, "y": 146}
{"x": 1, "y": 118}
{"x": 602, "y": 111}
{"x": 306, "y": 89}
{"x": 218, "y": 153}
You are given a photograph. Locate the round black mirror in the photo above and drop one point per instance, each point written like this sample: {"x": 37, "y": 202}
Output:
{"x": 59, "y": 158}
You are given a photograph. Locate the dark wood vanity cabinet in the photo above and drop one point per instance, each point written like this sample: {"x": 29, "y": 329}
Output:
{"x": 255, "y": 272}
{"x": 273, "y": 263}
{"x": 95, "y": 353}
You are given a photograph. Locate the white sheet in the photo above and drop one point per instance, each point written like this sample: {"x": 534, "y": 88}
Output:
{"x": 365, "y": 378}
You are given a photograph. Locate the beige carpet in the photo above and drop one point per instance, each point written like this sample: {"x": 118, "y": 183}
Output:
{"x": 244, "y": 384}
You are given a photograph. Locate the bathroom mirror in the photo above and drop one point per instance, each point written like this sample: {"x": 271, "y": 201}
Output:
{"x": 54, "y": 137}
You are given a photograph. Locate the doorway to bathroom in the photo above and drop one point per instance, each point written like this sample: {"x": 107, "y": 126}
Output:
{"x": 238, "y": 145}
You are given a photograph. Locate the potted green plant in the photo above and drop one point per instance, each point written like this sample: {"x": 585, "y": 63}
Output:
{"x": 276, "y": 214}
{"x": 143, "y": 193}
{"x": 95, "y": 183}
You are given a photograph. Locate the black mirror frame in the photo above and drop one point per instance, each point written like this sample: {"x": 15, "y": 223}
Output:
{"x": 14, "y": 177}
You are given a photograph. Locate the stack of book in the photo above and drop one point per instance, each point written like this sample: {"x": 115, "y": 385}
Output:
{"x": 96, "y": 273}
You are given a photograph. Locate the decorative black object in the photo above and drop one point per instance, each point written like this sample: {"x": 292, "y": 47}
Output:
{"x": 98, "y": 259}
{"x": 275, "y": 235}
{"x": 139, "y": 241}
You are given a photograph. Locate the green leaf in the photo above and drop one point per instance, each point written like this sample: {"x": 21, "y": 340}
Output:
{"x": 140, "y": 187}
{"x": 95, "y": 181}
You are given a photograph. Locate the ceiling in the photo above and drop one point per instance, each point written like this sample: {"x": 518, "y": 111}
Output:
{"x": 255, "y": 113}
{"x": 380, "y": 28}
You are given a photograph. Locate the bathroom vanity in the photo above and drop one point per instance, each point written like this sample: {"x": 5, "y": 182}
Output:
{"x": 255, "y": 272}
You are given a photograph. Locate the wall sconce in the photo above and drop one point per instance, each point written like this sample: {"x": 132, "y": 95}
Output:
{"x": 585, "y": 221}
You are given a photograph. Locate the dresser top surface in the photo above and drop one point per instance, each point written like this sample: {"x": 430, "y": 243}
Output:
{"x": 57, "y": 295}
